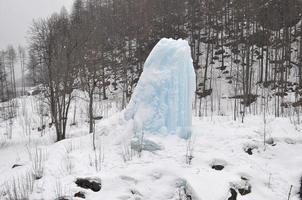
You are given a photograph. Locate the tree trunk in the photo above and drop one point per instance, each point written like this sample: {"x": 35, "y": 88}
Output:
{"x": 91, "y": 112}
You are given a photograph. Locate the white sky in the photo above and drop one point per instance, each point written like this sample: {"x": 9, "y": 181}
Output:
{"x": 17, "y": 15}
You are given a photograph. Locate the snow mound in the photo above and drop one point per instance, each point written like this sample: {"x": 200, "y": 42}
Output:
{"x": 162, "y": 100}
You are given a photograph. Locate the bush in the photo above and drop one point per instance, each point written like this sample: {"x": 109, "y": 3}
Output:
{"x": 20, "y": 187}
{"x": 37, "y": 157}
{"x": 127, "y": 152}
{"x": 96, "y": 160}
{"x": 3, "y": 142}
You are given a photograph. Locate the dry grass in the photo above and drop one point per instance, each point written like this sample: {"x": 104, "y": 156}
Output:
{"x": 37, "y": 157}
{"x": 19, "y": 187}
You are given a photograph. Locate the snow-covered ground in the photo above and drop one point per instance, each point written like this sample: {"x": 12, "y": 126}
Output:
{"x": 161, "y": 171}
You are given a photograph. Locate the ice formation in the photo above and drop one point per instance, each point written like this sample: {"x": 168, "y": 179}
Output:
{"x": 162, "y": 100}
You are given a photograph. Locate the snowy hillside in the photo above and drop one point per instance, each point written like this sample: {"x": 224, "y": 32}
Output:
{"x": 222, "y": 154}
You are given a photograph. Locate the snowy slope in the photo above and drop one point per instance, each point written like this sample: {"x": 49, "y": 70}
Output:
{"x": 160, "y": 175}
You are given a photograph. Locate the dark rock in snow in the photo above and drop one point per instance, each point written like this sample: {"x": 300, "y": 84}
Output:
{"x": 218, "y": 164}
{"x": 16, "y": 165}
{"x": 249, "y": 151}
{"x": 41, "y": 128}
{"x": 63, "y": 198}
{"x": 94, "y": 185}
{"x": 98, "y": 118}
{"x": 80, "y": 195}
{"x": 243, "y": 186}
{"x": 233, "y": 194}
{"x": 217, "y": 167}
{"x": 245, "y": 190}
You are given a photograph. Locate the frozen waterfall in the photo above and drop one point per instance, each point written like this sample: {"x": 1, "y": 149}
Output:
{"x": 162, "y": 100}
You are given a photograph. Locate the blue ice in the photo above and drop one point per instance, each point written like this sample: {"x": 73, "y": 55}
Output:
{"x": 162, "y": 100}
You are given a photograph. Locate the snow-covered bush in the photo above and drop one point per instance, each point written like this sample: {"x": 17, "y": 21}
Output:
{"x": 61, "y": 191}
{"x": 68, "y": 164}
{"x": 38, "y": 157}
{"x": 189, "y": 150}
{"x": 127, "y": 153}
{"x": 69, "y": 147}
{"x": 183, "y": 190}
{"x": 19, "y": 187}
{"x": 3, "y": 141}
{"x": 96, "y": 160}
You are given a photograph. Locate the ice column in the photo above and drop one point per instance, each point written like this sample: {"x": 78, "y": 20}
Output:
{"x": 162, "y": 100}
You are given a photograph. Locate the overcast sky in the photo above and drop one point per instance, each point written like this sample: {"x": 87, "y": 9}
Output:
{"x": 17, "y": 15}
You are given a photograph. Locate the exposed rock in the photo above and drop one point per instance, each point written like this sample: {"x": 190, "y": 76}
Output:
{"x": 217, "y": 167}
{"x": 233, "y": 194}
{"x": 249, "y": 149}
{"x": 80, "y": 195}
{"x": 16, "y": 165}
{"x": 98, "y": 117}
{"x": 88, "y": 183}
{"x": 243, "y": 186}
{"x": 218, "y": 164}
{"x": 245, "y": 190}
{"x": 63, "y": 198}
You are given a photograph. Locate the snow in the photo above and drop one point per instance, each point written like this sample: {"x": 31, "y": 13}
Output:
{"x": 162, "y": 100}
{"x": 161, "y": 174}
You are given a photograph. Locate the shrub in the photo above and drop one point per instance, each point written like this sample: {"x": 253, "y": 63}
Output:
{"x": 19, "y": 187}
{"x": 38, "y": 157}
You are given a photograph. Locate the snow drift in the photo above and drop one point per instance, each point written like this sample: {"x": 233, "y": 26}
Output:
{"x": 162, "y": 100}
